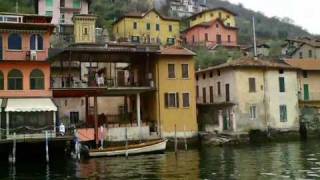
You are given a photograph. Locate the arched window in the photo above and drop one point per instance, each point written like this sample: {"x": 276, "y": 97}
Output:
{"x": 36, "y": 80}
{"x": 15, "y": 42}
{"x": 15, "y": 80}
{"x": 36, "y": 42}
{"x": 1, "y": 81}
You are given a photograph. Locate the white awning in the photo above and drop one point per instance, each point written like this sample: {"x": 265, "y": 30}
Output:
{"x": 30, "y": 105}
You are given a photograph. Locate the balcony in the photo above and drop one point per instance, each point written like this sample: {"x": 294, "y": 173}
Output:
{"x": 212, "y": 44}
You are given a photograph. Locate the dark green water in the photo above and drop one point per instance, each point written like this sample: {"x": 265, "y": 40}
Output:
{"x": 293, "y": 160}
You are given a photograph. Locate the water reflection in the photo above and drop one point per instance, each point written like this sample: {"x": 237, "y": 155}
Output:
{"x": 292, "y": 160}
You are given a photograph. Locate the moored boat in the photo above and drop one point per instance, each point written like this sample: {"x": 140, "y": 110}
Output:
{"x": 141, "y": 148}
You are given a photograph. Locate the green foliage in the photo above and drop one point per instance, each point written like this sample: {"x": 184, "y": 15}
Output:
{"x": 206, "y": 58}
{"x": 24, "y": 6}
{"x": 109, "y": 10}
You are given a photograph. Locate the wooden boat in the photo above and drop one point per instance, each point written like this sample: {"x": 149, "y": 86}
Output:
{"x": 142, "y": 148}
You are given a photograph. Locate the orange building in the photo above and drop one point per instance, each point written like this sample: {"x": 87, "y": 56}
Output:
{"x": 25, "y": 93}
{"x": 211, "y": 34}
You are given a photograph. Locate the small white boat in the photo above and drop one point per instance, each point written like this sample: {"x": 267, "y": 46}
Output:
{"x": 142, "y": 148}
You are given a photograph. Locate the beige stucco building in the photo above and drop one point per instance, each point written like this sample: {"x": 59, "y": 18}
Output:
{"x": 248, "y": 94}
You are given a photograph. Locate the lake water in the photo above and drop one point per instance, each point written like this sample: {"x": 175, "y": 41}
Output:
{"x": 293, "y": 160}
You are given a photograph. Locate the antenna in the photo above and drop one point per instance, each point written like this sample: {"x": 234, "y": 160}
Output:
{"x": 17, "y": 7}
{"x": 254, "y": 37}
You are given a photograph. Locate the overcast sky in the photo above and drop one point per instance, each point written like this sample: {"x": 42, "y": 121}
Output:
{"x": 305, "y": 13}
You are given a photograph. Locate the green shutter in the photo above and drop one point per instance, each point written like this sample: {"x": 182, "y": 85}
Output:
{"x": 77, "y": 4}
{"x": 306, "y": 92}
{"x": 49, "y": 4}
{"x": 282, "y": 84}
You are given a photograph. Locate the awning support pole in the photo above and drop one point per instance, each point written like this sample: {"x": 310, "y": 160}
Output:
{"x": 96, "y": 120}
{"x": 139, "y": 114}
{"x": 7, "y": 124}
{"x": 54, "y": 123}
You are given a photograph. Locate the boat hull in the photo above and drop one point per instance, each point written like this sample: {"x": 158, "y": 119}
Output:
{"x": 153, "y": 148}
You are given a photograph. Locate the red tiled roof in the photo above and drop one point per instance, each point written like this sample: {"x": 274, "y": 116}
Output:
{"x": 304, "y": 64}
{"x": 176, "y": 51}
{"x": 249, "y": 62}
{"x": 210, "y": 23}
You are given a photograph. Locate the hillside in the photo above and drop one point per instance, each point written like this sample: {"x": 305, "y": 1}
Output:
{"x": 108, "y": 10}
{"x": 266, "y": 28}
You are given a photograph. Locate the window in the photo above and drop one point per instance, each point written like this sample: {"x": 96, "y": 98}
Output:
{"x": 310, "y": 53}
{"x": 36, "y": 42}
{"x": 220, "y": 15}
{"x": 281, "y": 71}
{"x": 300, "y": 55}
{"x": 185, "y": 70}
{"x": 229, "y": 38}
{"x": 171, "y": 71}
{"x": 253, "y": 112}
{"x": 283, "y": 113}
{"x": 217, "y": 25}
{"x": 193, "y": 39}
{"x": 1, "y": 81}
{"x": 219, "y": 88}
{"x": 170, "y": 28}
{"x": 206, "y": 38}
{"x": 74, "y": 117}
{"x": 172, "y": 100}
{"x": 197, "y": 91}
{"x": 211, "y": 94}
{"x": 204, "y": 76}
{"x": 186, "y": 100}
{"x": 148, "y": 26}
{"x": 305, "y": 74}
{"x": 85, "y": 31}
{"x": 170, "y": 41}
{"x": 135, "y": 25}
{"x": 218, "y": 36}
{"x": 36, "y": 80}
{"x": 15, "y": 80}
{"x": 49, "y": 13}
{"x": 218, "y": 73}
{"x": 204, "y": 95}
{"x": 15, "y": 42}
{"x": 197, "y": 77}
{"x": 157, "y": 27}
{"x": 252, "y": 85}
{"x": 62, "y": 3}
{"x": 211, "y": 74}
{"x": 228, "y": 24}
{"x": 211, "y": 14}
{"x": 282, "y": 84}
{"x": 135, "y": 39}
{"x": 77, "y": 4}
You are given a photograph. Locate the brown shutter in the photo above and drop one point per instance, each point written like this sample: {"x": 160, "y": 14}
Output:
{"x": 177, "y": 97}
{"x": 166, "y": 100}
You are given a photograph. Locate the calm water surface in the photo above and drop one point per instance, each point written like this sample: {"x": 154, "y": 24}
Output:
{"x": 293, "y": 160}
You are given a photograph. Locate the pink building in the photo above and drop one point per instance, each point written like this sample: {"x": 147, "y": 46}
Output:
{"x": 25, "y": 93}
{"x": 210, "y": 34}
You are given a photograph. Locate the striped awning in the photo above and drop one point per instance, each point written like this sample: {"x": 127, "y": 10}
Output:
{"x": 30, "y": 105}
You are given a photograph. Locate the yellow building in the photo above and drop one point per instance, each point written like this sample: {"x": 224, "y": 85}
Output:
{"x": 148, "y": 27}
{"x": 176, "y": 92}
{"x": 84, "y": 28}
{"x": 227, "y": 16}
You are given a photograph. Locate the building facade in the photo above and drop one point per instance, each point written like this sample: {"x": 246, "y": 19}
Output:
{"x": 248, "y": 94}
{"x": 25, "y": 87}
{"x": 211, "y": 34}
{"x": 149, "y": 28}
{"x": 301, "y": 48}
{"x": 226, "y": 16}
{"x": 186, "y": 8}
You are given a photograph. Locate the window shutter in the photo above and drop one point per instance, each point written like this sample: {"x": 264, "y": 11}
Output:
{"x": 177, "y": 98}
{"x": 166, "y": 100}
